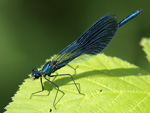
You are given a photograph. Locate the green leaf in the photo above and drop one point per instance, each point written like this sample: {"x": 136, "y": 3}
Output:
{"x": 145, "y": 42}
{"x": 110, "y": 85}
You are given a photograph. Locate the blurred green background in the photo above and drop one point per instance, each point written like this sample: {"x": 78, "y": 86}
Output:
{"x": 32, "y": 31}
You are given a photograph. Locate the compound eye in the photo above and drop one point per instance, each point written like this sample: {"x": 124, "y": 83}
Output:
{"x": 36, "y": 76}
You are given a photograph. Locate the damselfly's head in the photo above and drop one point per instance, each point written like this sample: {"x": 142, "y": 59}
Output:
{"x": 35, "y": 74}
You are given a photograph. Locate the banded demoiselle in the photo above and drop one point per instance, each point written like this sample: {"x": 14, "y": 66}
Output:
{"x": 90, "y": 43}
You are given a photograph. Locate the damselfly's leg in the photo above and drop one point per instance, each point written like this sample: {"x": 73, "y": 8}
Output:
{"x": 71, "y": 78}
{"x": 56, "y": 92}
{"x": 38, "y": 91}
{"x": 71, "y": 67}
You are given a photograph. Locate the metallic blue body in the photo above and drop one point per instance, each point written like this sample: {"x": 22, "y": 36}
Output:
{"x": 91, "y": 42}
{"x": 129, "y": 17}
{"x": 47, "y": 69}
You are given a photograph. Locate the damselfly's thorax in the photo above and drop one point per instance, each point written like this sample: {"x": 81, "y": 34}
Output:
{"x": 53, "y": 64}
{"x": 49, "y": 68}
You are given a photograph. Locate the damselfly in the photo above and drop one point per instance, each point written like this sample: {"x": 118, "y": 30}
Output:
{"x": 90, "y": 43}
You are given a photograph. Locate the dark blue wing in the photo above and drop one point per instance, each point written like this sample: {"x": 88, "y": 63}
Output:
{"x": 91, "y": 42}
